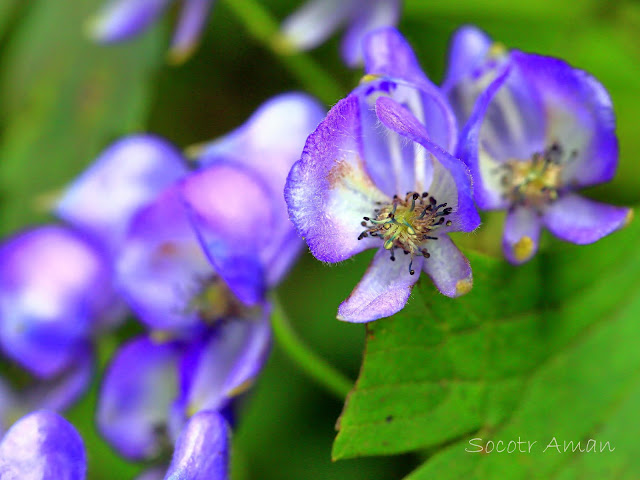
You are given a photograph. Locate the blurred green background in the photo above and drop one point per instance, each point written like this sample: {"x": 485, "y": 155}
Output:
{"x": 63, "y": 99}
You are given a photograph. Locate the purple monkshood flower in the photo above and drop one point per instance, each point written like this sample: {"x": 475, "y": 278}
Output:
{"x": 121, "y": 20}
{"x": 43, "y": 445}
{"x": 318, "y": 19}
{"x": 55, "y": 295}
{"x": 195, "y": 252}
{"x": 536, "y": 130}
{"x": 376, "y": 174}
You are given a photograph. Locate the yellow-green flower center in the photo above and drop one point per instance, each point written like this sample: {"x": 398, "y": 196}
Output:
{"x": 407, "y": 224}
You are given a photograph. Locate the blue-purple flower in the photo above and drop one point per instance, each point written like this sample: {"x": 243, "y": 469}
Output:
{"x": 42, "y": 445}
{"x": 55, "y": 296}
{"x": 194, "y": 253}
{"x": 315, "y": 21}
{"x": 376, "y": 174}
{"x": 536, "y": 130}
{"x": 121, "y": 20}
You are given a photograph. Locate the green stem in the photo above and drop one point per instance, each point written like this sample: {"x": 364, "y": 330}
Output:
{"x": 308, "y": 361}
{"x": 261, "y": 25}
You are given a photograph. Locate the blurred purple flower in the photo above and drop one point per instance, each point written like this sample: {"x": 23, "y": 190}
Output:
{"x": 363, "y": 178}
{"x": 536, "y": 130}
{"x": 55, "y": 295}
{"x": 42, "y": 445}
{"x": 318, "y": 19}
{"x": 121, "y": 20}
{"x": 194, "y": 265}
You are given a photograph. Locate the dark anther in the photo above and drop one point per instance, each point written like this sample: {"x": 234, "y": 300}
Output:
{"x": 395, "y": 197}
{"x": 427, "y": 237}
{"x": 405, "y": 252}
{"x": 415, "y": 196}
{"x": 366, "y": 218}
{"x": 448, "y": 224}
{"x": 432, "y": 200}
{"x": 425, "y": 254}
{"x": 362, "y": 235}
{"x": 390, "y": 215}
{"x": 412, "y": 272}
{"x": 425, "y": 194}
{"x": 441, "y": 221}
{"x": 364, "y": 224}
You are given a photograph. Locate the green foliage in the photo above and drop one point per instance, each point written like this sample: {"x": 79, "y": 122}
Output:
{"x": 544, "y": 350}
{"x": 62, "y": 98}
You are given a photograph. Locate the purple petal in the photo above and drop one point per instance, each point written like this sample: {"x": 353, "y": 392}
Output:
{"x": 448, "y": 267}
{"x": 61, "y": 392}
{"x": 122, "y": 19}
{"x": 487, "y": 189}
{"x": 579, "y": 220}
{"x": 394, "y": 71}
{"x": 450, "y": 181}
{"x": 161, "y": 267}
{"x": 42, "y": 445}
{"x": 129, "y": 173}
{"x": 135, "y": 398}
{"x": 315, "y": 21}
{"x": 225, "y": 364}
{"x": 155, "y": 473}
{"x": 521, "y": 234}
{"x": 202, "y": 451}
{"x": 269, "y": 143}
{"x": 383, "y": 290}
{"x": 387, "y": 53}
{"x": 54, "y": 288}
{"x": 368, "y": 16}
{"x": 468, "y": 50}
{"x": 193, "y": 18}
{"x": 231, "y": 210}
{"x": 579, "y": 116}
{"x": 328, "y": 191}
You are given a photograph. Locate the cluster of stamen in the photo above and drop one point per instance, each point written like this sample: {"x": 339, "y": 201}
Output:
{"x": 407, "y": 223}
{"x": 534, "y": 182}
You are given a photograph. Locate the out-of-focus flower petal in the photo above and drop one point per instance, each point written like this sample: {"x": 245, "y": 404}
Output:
{"x": 192, "y": 20}
{"x": 61, "y": 392}
{"x": 448, "y": 267}
{"x": 225, "y": 363}
{"x": 328, "y": 191}
{"x": 137, "y": 391}
{"x": 126, "y": 176}
{"x": 312, "y": 24}
{"x": 521, "y": 234}
{"x": 155, "y": 473}
{"x": 54, "y": 286}
{"x": 269, "y": 143}
{"x": 468, "y": 50}
{"x": 231, "y": 211}
{"x": 40, "y": 446}
{"x": 202, "y": 451}
{"x": 383, "y": 290}
{"x": 122, "y": 19}
{"x": 579, "y": 116}
{"x": 367, "y": 16}
{"x": 580, "y": 220}
{"x": 161, "y": 267}
{"x": 450, "y": 180}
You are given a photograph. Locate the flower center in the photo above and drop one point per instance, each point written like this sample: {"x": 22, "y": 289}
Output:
{"x": 534, "y": 182}
{"x": 215, "y": 301}
{"x": 407, "y": 224}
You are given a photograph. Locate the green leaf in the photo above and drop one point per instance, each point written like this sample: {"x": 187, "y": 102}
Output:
{"x": 549, "y": 349}
{"x": 62, "y": 99}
